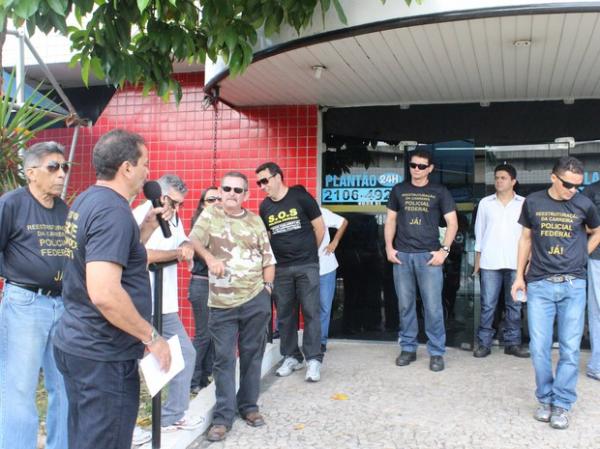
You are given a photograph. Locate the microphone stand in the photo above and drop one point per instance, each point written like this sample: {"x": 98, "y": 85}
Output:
{"x": 157, "y": 269}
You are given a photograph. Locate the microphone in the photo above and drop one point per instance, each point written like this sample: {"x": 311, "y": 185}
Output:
{"x": 153, "y": 192}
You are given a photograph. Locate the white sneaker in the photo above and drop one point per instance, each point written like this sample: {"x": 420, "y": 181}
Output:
{"x": 188, "y": 422}
{"x": 289, "y": 365}
{"x": 140, "y": 436}
{"x": 313, "y": 372}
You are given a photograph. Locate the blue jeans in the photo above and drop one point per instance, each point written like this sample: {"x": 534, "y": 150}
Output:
{"x": 593, "y": 366}
{"x": 178, "y": 395}
{"x": 205, "y": 351}
{"x": 414, "y": 272}
{"x": 491, "y": 284}
{"x": 327, "y": 288}
{"x": 564, "y": 302}
{"x": 27, "y": 324}
{"x": 103, "y": 401}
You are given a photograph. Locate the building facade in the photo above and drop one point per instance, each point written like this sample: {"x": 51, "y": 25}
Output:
{"x": 340, "y": 106}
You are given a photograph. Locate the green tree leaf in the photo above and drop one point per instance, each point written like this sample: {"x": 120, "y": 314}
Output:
{"x": 340, "y": 12}
{"x": 142, "y": 4}
{"x": 85, "y": 71}
{"x": 26, "y": 8}
{"x": 58, "y": 6}
{"x": 96, "y": 66}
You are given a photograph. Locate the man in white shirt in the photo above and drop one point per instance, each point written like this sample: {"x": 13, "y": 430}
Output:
{"x": 160, "y": 249}
{"x": 327, "y": 268}
{"x": 497, "y": 233}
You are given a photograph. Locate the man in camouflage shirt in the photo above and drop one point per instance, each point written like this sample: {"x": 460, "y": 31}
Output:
{"x": 235, "y": 245}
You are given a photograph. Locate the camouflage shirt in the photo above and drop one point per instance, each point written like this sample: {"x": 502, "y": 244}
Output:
{"x": 242, "y": 244}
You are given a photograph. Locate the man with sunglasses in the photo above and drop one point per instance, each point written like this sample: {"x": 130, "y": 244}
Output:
{"x": 497, "y": 233}
{"x": 293, "y": 219}
{"x": 32, "y": 245}
{"x": 235, "y": 245}
{"x": 175, "y": 248}
{"x": 412, "y": 244}
{"x": 555, "y": 246}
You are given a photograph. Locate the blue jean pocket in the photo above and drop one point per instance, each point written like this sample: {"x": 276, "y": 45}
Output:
{"x": 18, "y": 297}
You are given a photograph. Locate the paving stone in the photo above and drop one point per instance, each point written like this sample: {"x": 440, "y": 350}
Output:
{"x": 472, "y": 404}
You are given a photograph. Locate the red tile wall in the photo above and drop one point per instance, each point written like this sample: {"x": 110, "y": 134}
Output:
{"x": 181, "y": 140}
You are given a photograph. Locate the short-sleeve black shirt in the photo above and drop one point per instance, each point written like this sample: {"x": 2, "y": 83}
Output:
{"x": 559, "y": 238}
{"x": 101, "y": 227}
{"x": 593, "y": 193}
{"x": 419, "y": 210}
{"x": 289, "y": 222}
{"x": 32, "y": 239}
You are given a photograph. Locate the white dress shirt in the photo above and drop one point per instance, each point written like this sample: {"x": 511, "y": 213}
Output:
{"x": 158, "y": 242}
{"x": 497, "y": 232}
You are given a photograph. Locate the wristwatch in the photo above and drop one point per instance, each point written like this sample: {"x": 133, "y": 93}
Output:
{"x": 446, "y": 249}
{"x": 153, "y": 337}
{"x": 270, "y": 285}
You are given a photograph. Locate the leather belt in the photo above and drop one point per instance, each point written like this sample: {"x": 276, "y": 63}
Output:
{"x": 36, "y": 289}
{"x": 560, "y": 278}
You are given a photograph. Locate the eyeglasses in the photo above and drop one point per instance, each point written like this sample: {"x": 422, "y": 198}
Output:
{"x": 567, "y": 185}
{"x": 212, "y": 199}
{"x": 237, "y": 190}
{"x": 53, "y": 166}
{"x": 264, "y": 181}
{"x": 419, "y": 166}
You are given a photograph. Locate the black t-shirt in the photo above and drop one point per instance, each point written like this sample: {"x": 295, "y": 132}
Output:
{"x": 419, "y": 210}
{"x": 559, "y": 238}
{"x": 289, "y": 222}
{"x": 32, "y": 239}
{"x": 101, "y": 227}
{"x": 593, "y": 193}
{"x": 200, "y": 268}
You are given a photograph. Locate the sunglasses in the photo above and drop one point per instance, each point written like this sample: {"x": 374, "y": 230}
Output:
{"x": 264, "y": 181}
{"x": 567, "y": 185}
{"x": 53, "y": 166}
{"x": 228, "y": 189}
{"x": 212, "y": 199}
{"x": 419, "y": 166}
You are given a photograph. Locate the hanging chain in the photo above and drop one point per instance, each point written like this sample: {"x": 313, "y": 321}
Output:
{"x": 214, "y": 168}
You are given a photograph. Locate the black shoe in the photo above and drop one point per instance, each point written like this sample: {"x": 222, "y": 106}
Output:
{"x": 481, "y": 351}
{"x": 323, "y": 348}
{"x": 517, "y": 351}
{"x": 405, "y": 358}
{"x": 436, "y": 363}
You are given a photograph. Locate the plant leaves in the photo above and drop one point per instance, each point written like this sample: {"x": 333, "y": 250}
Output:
{"x": 142, "y": 4}
{"x": 340, "y": 12}
{"x": 26, "y": 8}
{"x": 58, "y": 6}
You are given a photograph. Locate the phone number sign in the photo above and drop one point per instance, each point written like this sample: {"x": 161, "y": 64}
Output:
{"x": 359, "y": 188}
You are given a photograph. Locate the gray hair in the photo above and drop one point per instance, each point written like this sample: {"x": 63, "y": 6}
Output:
{"x": 172, "y": 182}
{"x": 114, "y": 148}
{"x": 236, "y": 174}
{"x": 33, "y": 156}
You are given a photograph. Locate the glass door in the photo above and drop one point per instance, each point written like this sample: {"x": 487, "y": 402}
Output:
{"x": 356, "y": 184}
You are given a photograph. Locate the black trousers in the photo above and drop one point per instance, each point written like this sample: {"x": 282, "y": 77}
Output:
{"x": 298, "y": 286}
{"x": 242, "y": 328}
{"x": 103, "y": 401}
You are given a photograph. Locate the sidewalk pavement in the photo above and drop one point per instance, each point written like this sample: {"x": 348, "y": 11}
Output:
{"x": 365, "y": 401}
